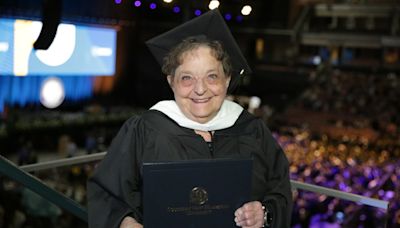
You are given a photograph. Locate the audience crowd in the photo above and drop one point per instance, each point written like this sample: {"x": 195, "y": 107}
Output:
{"x": 372, "y": 98}
{"x": 346, "y": 165}
{"x": 351, "y": 161}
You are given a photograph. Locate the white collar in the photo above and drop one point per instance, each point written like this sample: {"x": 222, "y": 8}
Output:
{"x": 226, "y": 117}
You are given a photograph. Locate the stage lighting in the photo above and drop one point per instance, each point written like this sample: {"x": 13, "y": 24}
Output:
{"x": 176, "y": 9}
{"x": 213, "y": 4}
{"x": 197, "y": 12}
{"x": 228, "y": 17}
{"x": 153, "y": 6}
{"x": 246, "y": 10}
{"x": 52, "y": 93}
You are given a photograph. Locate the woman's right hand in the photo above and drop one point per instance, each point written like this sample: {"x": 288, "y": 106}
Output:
{"x": 129, "y": 222}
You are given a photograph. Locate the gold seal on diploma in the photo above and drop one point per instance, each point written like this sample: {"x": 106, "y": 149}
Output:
{"x": 198, "y": 196}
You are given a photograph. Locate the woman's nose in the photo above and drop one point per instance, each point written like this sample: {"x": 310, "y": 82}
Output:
{"x": 200, "y": 87}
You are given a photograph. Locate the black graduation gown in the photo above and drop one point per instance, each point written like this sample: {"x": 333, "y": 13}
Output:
{"x": 114, "y": 188}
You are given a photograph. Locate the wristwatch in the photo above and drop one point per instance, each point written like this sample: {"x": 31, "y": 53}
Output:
{"x": 267, "y": 217}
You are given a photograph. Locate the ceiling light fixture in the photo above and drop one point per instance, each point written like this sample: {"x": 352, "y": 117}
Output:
{"x": 246, "y": 10}
{"x": 213, "y": 4}
{"x": 153, "y": 6}
{"x": 197, "y": 12}
{"x": 137, "y": 3}
{"x": 176, "y": 9}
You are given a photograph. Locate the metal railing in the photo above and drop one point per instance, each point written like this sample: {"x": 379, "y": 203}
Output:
{"x": 339, "y": 194}
{"x": 31, "y": 182}
{"x": 21, "y": 175}
{"x": 63, "y": 162}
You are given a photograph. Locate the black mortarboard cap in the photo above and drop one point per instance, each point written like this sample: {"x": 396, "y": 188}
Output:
{"x": 213, "y": 26}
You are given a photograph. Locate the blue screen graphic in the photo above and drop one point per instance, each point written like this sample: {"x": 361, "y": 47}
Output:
{"x": 75, "y": 51}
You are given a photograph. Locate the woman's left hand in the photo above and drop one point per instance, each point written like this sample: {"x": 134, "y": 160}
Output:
{"x": 250, "y": 215}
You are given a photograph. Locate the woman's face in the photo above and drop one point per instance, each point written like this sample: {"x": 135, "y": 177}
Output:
{"x": 199, "y": 84}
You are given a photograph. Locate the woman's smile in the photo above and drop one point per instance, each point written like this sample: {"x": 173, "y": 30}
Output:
{"x": 203, "y": 100}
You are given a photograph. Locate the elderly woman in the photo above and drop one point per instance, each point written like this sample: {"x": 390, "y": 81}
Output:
{"x": 199, "y": 124}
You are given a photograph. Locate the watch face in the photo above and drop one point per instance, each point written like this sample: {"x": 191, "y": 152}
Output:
{"x": 267, "y": 217}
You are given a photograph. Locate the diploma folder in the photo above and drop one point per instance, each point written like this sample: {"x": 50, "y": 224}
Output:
{"x": 195, "y": 193}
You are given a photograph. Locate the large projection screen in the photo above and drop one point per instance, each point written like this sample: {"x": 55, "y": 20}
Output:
{"x": 75, "y": 51}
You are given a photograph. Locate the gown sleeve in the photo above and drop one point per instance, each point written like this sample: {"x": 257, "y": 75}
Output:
{"x": 114, "y": 188}
{"x": 278, "y": 197}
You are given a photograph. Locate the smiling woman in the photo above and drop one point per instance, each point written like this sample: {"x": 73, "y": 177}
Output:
{"x": 199, "y": 83}
{"x": 202, "y": 63}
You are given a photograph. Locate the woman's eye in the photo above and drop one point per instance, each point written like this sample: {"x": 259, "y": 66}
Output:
{"x": 186, "y": 78}
{"x": 213, "y": 76}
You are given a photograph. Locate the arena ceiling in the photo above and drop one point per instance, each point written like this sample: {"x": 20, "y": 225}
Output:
{"x": 264, "y": 13}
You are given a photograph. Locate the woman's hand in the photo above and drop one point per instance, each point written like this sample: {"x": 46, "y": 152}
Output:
{"x": 129, "y": 222}
{"x": 250, "y": 215}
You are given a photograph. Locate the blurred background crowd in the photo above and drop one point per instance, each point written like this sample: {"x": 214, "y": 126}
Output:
{"x": 329, "y": 94}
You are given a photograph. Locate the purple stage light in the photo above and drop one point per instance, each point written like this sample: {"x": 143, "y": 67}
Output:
{"x": 228, "y": 16}
{"x": 137, "y": 3}
{"x": 197, "y": 12}
{"x": 153, "y": 6}
{"x": 176, "y": 9}
{"x": 117, "y": 1}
